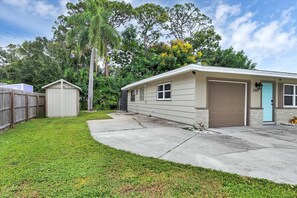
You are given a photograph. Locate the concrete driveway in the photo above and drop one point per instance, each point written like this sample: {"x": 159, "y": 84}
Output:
{"x": 268, "y": 152}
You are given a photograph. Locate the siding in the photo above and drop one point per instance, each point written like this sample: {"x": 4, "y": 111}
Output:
{"x": 181, "y": 108}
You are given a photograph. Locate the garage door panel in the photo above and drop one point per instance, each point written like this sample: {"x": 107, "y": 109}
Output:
{"x": 226, "y": 104}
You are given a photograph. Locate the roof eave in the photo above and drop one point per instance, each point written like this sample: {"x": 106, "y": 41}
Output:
{"x": 60, "y": 80}
{"x": 212, "y": 69}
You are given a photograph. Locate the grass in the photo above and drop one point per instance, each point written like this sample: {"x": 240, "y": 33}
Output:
{"x": 57, "y": 157}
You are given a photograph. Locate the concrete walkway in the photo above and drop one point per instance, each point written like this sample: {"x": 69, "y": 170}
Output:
{"x": 268, "y": 152}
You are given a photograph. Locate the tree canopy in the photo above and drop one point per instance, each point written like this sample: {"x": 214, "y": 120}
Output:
{"x": 133, "y": 43}
{"x": 150, "y": 18}
{"x": 185, "y": 20}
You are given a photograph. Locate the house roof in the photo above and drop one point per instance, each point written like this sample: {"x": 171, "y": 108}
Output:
{"x": 59, "y": 81}
{"x": 226, "y": 70}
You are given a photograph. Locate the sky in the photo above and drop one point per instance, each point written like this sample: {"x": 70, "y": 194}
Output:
{"x": 266, "y": 30}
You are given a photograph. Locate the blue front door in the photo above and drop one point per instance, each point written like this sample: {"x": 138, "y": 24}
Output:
{"x": 267, "y": 102}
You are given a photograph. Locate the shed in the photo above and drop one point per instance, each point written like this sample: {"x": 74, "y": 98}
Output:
{"x": 62, "y": 99}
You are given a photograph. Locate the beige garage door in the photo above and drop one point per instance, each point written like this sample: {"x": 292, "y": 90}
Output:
{"x": 226, "y": 104}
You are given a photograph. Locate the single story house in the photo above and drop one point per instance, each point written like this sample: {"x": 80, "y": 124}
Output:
{"x": 216, "y": 96}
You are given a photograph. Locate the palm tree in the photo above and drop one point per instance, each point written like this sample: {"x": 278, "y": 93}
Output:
{"x": 91, "y": 25}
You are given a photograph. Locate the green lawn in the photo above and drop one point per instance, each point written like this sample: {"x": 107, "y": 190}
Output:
{"x": 58, "y": 157}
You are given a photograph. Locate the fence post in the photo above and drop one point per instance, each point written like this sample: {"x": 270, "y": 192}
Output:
{"x": 27, "y": 107}
{"x": 44, "y": 105}
{"x": 37, "y": 106}
{"x": 12, "y": 108}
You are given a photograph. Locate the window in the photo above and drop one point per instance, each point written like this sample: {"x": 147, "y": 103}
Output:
{"x": 132, "y": 95}
{"x": 141, "y": 95}
{"x": 164, "y": 91}
{"x": 290, "y": 95}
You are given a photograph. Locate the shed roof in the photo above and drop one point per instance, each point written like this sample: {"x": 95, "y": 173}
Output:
{"x": 226, "y": 70}
{"x": 59, "y": 81}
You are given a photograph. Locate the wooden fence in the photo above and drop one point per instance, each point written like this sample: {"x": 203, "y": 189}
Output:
{"x": 18, "y": 106}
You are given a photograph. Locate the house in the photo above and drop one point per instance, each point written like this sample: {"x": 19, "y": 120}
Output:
{"x": 216, "y": 96}
{"x": 62, "y": 99}
{"x": 20, "y": 86}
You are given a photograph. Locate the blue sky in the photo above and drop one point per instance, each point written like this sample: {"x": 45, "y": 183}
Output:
{"x": 265, "y": 29}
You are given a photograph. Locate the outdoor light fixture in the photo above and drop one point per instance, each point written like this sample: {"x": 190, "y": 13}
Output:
{"x": 258, "y": 85}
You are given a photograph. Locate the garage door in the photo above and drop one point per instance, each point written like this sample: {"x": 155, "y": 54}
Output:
{"x": 227, "y": 104}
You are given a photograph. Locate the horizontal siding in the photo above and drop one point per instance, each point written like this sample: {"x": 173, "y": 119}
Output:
{"x": 175, "y": 92}
{"x": 185, "y": 97}
{"x": 181, "y": 107}
{"x": 167, "y": 103}
{"x": 172, "y": 108}
{"x": 169, "y": 115}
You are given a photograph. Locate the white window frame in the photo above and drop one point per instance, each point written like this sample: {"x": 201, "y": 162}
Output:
{"x": 142, "y": 88}
{"x": 294, "y": 105}
{"x": 164, "y": 91}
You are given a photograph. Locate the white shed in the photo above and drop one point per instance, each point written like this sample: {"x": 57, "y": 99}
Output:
{"x": 62, "y": 99}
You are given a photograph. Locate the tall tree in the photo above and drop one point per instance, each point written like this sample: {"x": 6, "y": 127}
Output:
{"x": 120, "y": 13}
{"x": 231, "y": 58}
{"x": 206, "y": 42}
{"x": 150, "y": 18}
{"x": 184, "y": 20}
{"x": 92, "y": 24}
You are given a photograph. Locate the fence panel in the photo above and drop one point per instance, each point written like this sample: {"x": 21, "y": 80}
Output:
{"x": 5, "y": 106}
{"x": 18, "y": 106}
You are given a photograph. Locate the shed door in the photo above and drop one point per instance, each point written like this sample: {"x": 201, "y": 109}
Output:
{"x": 53, "y": 102}
{"x": 227, "y": 104}
{"x": 70, "y": 103}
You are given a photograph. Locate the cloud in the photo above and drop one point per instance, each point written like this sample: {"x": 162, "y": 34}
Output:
{"x": 18, "y": 3}
{"x": 40, "y": 8}
{"x": 260, "y": 41}
{"x": 46, "y": 10}
{"x": 224, "y": 11}
{"x": 26, "y": 19}
{"x": 287, "y": 16}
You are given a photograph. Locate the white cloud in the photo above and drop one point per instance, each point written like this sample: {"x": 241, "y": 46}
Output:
{"x": 40, "y": 8}
{"x": 287, "y": 16}
{"x": 30, "y": 19}
{"x": 224, "y": 11}
{"x": 18, "y": 3}
{"x": 46, "y": 10}
{"x": 260, "y": 41}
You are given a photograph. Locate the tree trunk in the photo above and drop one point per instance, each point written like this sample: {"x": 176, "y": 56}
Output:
{"x": 91, "y": 78}
{"x": 106, "y": 65}
{"x": 96, "y": 65}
